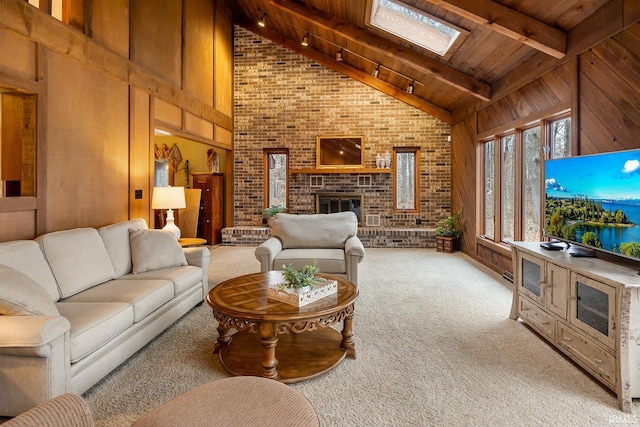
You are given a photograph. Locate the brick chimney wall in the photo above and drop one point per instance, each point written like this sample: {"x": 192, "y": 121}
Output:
{"x": 284, "y": 100}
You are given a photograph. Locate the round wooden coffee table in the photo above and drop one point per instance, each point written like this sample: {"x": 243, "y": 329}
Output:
{"x": 307, "y": 346}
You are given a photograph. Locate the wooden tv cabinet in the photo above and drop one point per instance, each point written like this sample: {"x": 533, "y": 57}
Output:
{"x": 588, "y": 308}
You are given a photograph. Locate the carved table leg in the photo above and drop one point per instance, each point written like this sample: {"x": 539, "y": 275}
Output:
{"x": 269, "y": 340}
{"x": 348, "y": 343}
{"x": 224, "y": 337}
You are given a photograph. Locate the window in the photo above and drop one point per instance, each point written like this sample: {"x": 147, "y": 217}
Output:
{"x": 416, "y": 27}
{"x": 531, "y": 189}
{"x": 276, "y": 167}
{"x": 489, "y": 185}
{"x": 507, "y": 187}
{"x": 406, "y": 188}
{"x": 518, "y": 154}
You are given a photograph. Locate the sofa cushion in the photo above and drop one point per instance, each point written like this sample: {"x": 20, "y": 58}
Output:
{"x": 20, "y": 295}
{"x": 154, "y": 249}
{"x": 78, "y": 259}
{"x": 116, "y": 239}
{"x": 144, "y": 295}
{"x": 329, "y": 260}
{"x": 93, "y": 324}
{"x": 183, "y": 278}
{"x": 26, "y": 256}
{"x": 314, "y": 231}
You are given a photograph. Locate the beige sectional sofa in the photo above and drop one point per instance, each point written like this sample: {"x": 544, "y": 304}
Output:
{"x": 329, "y": 239}
{"x": 75, "y": 304}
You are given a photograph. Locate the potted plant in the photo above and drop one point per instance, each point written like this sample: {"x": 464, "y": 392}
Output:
{"x": 448, "y": 233}
{"x": 299, "y": 280}
{"x": 268, "y": 213}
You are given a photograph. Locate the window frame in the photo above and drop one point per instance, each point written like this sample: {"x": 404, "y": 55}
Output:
{"x": 544, "y": 124}
{"x": 267, "y": 176}
{"x": 416, "y": 184}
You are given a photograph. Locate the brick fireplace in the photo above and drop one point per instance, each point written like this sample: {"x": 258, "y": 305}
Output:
{"x": 340, "y": 202}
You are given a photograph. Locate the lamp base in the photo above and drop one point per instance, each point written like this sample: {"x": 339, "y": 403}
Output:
{"x": 171, "y": 225}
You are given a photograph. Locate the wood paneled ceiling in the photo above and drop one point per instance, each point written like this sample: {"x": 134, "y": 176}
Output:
{"x": 509, "y": 43}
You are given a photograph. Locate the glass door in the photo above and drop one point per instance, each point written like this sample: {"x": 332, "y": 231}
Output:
{"x": 593, "y": 307}
{"x": 531, "y": 280}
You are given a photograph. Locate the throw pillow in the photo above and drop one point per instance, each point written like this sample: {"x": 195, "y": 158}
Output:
{"x": 154, "y": 249}
{"x": 22, "y": 296}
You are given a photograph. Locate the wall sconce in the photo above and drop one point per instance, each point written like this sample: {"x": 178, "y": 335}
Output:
{"x": 376, "y": 71}
{"x": 305, "y": 40}
{"x": 339, "y": 56}
{"x": 169, "y": 198}
{"x": 263, "y": 21}
{"x": 410, "y": 88}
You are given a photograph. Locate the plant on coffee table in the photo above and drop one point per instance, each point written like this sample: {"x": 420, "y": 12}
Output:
{"x": 300, "y": 279}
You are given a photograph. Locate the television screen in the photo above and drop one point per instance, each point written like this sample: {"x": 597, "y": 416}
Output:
{"x": 594, "y": 201}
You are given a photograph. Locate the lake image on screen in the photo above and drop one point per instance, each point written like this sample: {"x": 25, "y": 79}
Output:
{"x": 595, "y": 201}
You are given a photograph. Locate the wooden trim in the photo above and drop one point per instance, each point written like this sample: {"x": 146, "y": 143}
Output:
{"x": 339, "y": 170}
{"x": 41, "y": 146}
{"x": 575, "y": 107}
{"x": 501, "y": 248}
{"x": 18, "y": 204}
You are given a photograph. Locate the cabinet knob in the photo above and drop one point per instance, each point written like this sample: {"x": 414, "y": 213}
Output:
{"x": 598, "y": 361}
{"x": 566, "y": 339}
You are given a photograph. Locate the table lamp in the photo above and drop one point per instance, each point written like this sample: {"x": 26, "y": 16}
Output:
{"x": 169, "y": 198}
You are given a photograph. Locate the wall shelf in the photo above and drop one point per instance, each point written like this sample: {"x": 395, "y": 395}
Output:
{"x": 340, "y": 170}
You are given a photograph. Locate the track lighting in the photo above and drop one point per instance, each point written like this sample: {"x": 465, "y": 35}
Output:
{"x": 410, "y": 88}
{"x": 339, "y": 56}
{"x": 263, "y": 21}
{"x": 376, "y": 71}
{"x": 305, "y": 40}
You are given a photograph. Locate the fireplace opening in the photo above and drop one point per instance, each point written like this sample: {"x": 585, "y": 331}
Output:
{"x": 340, "y": 202}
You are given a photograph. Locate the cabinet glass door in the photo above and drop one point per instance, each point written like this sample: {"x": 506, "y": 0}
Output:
{"x": 593, "y": 308}
{"x": 531, "y": 276}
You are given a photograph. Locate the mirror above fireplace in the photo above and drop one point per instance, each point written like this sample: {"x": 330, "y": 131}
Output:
{"x": 344, "y": 151}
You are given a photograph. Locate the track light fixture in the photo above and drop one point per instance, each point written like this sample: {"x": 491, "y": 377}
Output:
{"x": 263, "y": 21}
{"x": 376, "y": 71}
{"x": 339, "y": 56}
{"x": 410, "y": 88}
{"x": 305, "y": 40}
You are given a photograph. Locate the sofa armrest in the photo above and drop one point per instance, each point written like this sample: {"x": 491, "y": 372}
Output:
{"x": 353, "y": 254}
{"x": 353, "y": 247}
{"x": 267, "y": 251}
{"x": 200, "y": 257}
{"x": 35, "y": 361}
{"x": 31, "y": 331}
{"x": 66, "y": 410}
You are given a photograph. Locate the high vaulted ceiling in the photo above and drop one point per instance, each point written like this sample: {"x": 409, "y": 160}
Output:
{"x": 508, "y": 44}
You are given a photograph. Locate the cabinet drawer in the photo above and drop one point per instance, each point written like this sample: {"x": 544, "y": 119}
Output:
{"x": 543, "y": 322}
{"x": 601, "y": 363}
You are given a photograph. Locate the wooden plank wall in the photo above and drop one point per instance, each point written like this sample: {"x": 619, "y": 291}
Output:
{"x": 606, "y": 98}
{"x": 95, "y": 84}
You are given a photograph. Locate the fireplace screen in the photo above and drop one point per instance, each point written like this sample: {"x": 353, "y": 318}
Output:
{"x": 339, "y": 202}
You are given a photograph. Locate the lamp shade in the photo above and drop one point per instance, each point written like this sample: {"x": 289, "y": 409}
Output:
{"x": 168, "y": 198}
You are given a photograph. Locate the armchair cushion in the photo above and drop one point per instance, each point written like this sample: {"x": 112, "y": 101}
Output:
{"x": 154, "y": 250}
{"x": 294, "y": 230}
{"x": 20, "y": 295}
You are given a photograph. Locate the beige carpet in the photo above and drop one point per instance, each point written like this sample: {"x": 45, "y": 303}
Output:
{"x": 435, "y": 348}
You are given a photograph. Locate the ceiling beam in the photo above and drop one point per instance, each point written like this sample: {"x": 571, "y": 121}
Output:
{"x": 511, "y": 23}
{"x": 382, "y": 46}
{"x": 349, "y": 71}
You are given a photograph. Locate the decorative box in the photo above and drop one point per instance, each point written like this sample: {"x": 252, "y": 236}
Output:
{"x": 321, "y": 289}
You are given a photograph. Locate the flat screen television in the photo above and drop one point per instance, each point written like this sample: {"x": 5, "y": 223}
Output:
{"x": 594, "y": 202}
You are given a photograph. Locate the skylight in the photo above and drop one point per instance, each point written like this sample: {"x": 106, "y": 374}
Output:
{"x": 415, "y": 27}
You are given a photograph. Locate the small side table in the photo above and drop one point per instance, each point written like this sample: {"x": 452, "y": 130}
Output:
{"x": 191, "y": 241}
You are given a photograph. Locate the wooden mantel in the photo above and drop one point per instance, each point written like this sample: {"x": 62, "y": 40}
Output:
{"x": 340, "y": 170}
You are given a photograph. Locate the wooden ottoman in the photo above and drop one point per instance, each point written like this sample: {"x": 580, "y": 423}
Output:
{"x": 235, "y": 402}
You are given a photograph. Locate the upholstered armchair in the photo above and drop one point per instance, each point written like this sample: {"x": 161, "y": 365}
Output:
{"x": 329, "y": 239}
